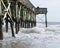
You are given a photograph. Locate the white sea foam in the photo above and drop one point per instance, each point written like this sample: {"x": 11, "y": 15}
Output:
{"x": 32, "y": 38}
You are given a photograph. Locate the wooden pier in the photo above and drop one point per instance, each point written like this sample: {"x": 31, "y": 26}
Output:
{"x": 19, "y": 12}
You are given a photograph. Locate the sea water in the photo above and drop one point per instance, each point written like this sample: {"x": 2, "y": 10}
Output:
{"x": 37, "y": 37}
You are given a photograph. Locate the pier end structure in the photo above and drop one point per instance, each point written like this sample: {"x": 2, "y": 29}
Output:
{"x": 39, "y": 10}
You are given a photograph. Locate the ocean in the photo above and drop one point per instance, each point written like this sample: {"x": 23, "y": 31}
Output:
{"x": 53, "y": 24}
{"x": 37, "y": 37}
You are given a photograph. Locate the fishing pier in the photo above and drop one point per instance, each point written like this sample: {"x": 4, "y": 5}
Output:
{"x": 19, "y": 13}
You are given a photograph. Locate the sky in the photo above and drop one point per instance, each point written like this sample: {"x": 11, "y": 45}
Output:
{"x": 53, "y": 7}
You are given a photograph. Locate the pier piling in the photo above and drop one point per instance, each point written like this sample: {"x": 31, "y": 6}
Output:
{"x": 1, "y": 33}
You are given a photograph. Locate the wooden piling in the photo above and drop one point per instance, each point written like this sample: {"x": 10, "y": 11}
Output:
{"x": 21, "y": 23}
{"x": 1, "y": 33}
{"x": 16, "y": 28}
{"x": 12, "y": 30}
{"x": 46, "y": 20}
{"x": 6, "y": 21}
{"x": 26, "y": 23}
{"x": 29, "y": 24}
{"x": 35, "y": 23}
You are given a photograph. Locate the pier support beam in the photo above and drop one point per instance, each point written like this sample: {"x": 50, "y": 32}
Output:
{"x": 46, "y": 20}
{"x": 25, "y": 23}
{"x": 1, "y": 33}
{"x": 31, "y": 24}
{"x": 28, "y": 24}
{"x": 21, "y": 23}
{"x": 6, "y": 21}
{"x": 34, "y": 23}
{"x": 12, "y": 30}
{"x": 16, "y": 28}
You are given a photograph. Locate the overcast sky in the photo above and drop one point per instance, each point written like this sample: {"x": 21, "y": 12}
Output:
{"x": 53, "y": 8}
